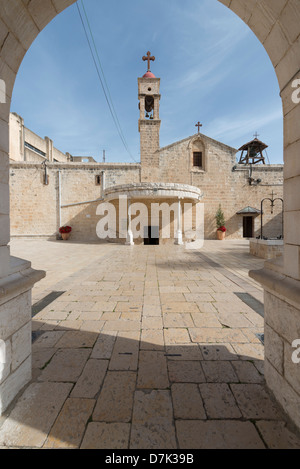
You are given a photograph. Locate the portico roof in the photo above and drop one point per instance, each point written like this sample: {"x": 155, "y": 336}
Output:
{"x": 249, "y": 211}
{"x": 153, "y": 190}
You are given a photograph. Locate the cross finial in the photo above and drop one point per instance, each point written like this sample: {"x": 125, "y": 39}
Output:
{"x": 148, "y": 59}
{"x": 256, "y": 135}
{"x": 199, "y": 126}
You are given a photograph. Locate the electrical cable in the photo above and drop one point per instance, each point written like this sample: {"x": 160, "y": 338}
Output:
{"x": 106, "y": 93}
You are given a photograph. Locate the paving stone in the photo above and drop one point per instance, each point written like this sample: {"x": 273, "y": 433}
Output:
{"x": 152, "y": 373}
{"x": 152, "y": 310}
{"x": 152, "y": 421}
{"x": 216, "y": 335}
{"x": 218, "y": 351}
{"x": 132, "y": 316}
{"x": 254, "y": 402}
{"x": 172, "y": 320}
{"x": 116, "y": 398}
{"x": 176, "y": 336}
{"x": 91, "y": 379}
{"x": 92, "y": 327}
{"x": 248, "y": 351}
{"x": 126, "y": 351}
{"x": 77, "y": 339}
{"x": 129, "y": 306}
{"x": 181, "y": 307}
{"x": 152, "y": 339}
{"x": 69, "y": 325}
{"x": 185, "y": 372}
{"x": 190, "y": 352}
{"x": 68, "y": 430}
{"x": 104, "y": 345}
{"x": 53, "y": 315}
{"x": 277, "y": 435}
{"x": 108, "y": 316}
{"x": 34, "y": 414}
{"x": 217, "y": 434}
{"x": 42, "y": 356}
{"x": 205, "y": 320}
{"x": 172, "y": 298}
{"x": 206, "y": 307}
{"x": 219, "y": 372}
{"x": 232, "y": 307}
{"x": 152, "y": 323}
{"x": 234, "y": 320}
{"x": 122, "y": 325}
{"x": 101, "y": 435}
{"x": 66, "y": 365}
{"x": 90, "y": 316}
{"x": 247, "y": 372}
{"x": 219, "y": 401}
{"x": 187, "y": 401}
{"x": 48, "y": 339}
{"x": 198, "y": 297}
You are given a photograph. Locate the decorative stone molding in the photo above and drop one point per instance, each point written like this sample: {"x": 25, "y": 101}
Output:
{"x": 154, "y": 190}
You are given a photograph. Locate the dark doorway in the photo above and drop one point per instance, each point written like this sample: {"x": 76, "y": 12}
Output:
{"x": 151, "y": 236}
{"x": 248, "y": 227}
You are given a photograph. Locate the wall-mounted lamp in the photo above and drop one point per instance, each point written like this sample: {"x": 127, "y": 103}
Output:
{"x": 254, "y": 182}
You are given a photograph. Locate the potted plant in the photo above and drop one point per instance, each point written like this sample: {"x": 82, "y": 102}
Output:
{"x": 220, "y": 221}
{"x": 65, "y": 232}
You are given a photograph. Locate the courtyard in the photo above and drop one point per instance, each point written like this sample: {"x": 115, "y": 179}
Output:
{"x": 145, "y": 347}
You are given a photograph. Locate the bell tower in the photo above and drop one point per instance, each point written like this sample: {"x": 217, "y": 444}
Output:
{"x": 149, "y": 122}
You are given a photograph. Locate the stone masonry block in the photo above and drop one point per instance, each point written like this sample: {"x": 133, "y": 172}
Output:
{"x": 21, "y": 345}
{"x": 274, "y": 348}
{"x": 282, "y": 318}
{"x": 14, "y": 315}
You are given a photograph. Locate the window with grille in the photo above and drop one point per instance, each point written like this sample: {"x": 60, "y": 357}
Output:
{"x": 197, "y": 159}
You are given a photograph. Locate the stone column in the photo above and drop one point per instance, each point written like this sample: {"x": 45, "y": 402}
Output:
{"x": 156, "y": 107}
{"x": 142, "y": 107}
{"x": 281, "y": 278}
{"x": 129, "y": 239}
{"x": 179, "y": 224}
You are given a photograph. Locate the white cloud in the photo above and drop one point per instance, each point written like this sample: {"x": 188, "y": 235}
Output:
{"x": 233, "y": 127}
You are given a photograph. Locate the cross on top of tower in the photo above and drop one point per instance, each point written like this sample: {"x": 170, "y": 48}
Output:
{"x": 199, "y": 126}
{"x": 148, "y": 59}
{"x": 256, "y": 135}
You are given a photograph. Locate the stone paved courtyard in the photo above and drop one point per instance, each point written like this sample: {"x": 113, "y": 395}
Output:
{"x": 145, "y": 348}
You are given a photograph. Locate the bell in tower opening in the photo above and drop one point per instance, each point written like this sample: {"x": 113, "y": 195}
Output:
{"x": 252, "y": 152}
{"x": 149, "y": 107}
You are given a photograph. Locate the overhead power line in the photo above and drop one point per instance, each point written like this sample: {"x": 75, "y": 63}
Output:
{"x": 103, "y": 82}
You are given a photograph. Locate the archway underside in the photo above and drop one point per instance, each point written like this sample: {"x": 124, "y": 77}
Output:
{"x": 276, "y": 25}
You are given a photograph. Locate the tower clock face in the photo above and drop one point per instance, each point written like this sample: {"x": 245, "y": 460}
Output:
{"x": 149, "y": 103}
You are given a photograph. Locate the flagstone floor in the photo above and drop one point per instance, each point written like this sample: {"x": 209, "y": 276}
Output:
{"x": 145, "y": 348}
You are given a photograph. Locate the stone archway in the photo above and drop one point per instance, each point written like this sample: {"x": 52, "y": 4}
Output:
{"x": 276, "y": 25}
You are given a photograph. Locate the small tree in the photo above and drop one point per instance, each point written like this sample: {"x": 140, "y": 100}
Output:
{"x": 220, "y": 219}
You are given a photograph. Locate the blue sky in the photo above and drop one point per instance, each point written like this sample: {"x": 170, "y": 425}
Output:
{"x": 212, "y": 69}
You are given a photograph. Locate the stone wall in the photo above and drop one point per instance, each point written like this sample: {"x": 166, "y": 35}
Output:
{"x": 266, "y": 249}
{"x": 223, "y": 185}
{"x": 35, "y": 206}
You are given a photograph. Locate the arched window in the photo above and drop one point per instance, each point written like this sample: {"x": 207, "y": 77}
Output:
{"x": 198, "y": 154}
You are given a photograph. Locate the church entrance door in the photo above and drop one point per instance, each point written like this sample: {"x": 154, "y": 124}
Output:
{"x": 248, "y": 227}
{"x": 151, "y": 236}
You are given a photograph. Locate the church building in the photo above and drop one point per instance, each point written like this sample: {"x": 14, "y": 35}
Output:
{"x": 171, "y": 196}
